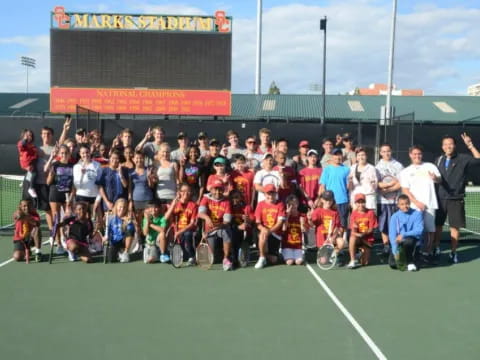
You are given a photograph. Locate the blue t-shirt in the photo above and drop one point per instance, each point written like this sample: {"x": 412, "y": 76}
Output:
{"x": 140, "y": 189}
{"x": 111, "y": 183}
{"x": 118, "y": 229}
{"x": 334, "y": 178}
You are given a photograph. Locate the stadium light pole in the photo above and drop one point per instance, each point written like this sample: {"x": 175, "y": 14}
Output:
{"x": 258, "y": 62}
{"x": 323, "y": 26}
{"x": 28, "y": 63}
{"x": 388, "y": 107}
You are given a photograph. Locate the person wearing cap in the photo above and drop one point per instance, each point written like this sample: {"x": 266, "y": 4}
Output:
{"x": 335, "y": 178}
{"x": 404, "y": 232}
{"x": 234, "y": 144}
{"x": 363, "y": 179}
{"x": 150, "y": 147}
{"x": 362, "y": 223}
{"x": 348, "y": 150}
{"x": 254, "y": 159}
{"x": 202, "y": 139}
{"x": 215, "y": 210}
{"x": 221, "y": 174}
{"x": 326, "y": 220}
{"x": 214, "y": 153}
{"x": 80, "y": 140}
{"x": 327, "y": 145}
{"x": 309, "y": 178}
{"x": 181, "y": 152}
{"x": 301, "y": 158}
{"x": 267, "y": 176}
{"x": 269, "y": 217}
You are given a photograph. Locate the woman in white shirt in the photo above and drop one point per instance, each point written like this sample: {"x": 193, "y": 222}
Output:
{"x": 363, "y": 179}
{"x": 84, "y": 176}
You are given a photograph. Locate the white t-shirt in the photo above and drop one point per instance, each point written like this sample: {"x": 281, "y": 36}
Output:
{"x": 390, "y": 168}
{"x": 84, "y": 179}
{"x": 264, "y": 177}
{"x": 416, "y": 178}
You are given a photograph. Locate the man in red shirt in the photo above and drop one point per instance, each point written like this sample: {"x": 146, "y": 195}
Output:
{"x": 215, "y": 211}
{"x": 269, "y": 216}
{"x": 290, "y": 177}
{"x": 308, "y": 179}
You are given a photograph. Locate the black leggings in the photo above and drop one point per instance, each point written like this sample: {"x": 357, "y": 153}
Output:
{"x": 409, "y": 244}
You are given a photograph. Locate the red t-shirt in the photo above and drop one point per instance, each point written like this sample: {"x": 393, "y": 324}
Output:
{"x": 292, "y": 238}
{"x": 218, "y": 210}
{"x": 28, "y": 153}
{"x": 239, "y": 211}
{"x": 23, "y": 228}
{"x": 308, "y": 181}
{"x": 184, "y": 213}
{"x": 322, "y": 218}
{"x": 290, "y": 182}
{"x": 225, "y": 179}
{"x": 268, "y": 214}
{"x": 243, "y": 182}
{"x": 363, "y": 221}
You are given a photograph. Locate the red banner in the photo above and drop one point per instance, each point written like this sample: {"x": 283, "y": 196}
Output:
{"x": 142, "y": 101}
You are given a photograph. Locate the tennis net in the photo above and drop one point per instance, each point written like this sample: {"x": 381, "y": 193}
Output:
{"x": 472, "y": 211}
{"x": 10, "y": 196}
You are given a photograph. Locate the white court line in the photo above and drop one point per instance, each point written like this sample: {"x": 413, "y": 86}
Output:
{"x": 349, "y": 316}
{"x": 6, "y": 262}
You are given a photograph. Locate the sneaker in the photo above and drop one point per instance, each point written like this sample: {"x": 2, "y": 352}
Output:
{"x": 411, "y": 267}
{"x": 227, "y": 264}
{"x": 353, "y": 264}
{"x": 145, "y": 255}
{"x": 386, "y": 249}
{"x": 124, "y": 257}
{"x": 436, "y": 252}
{"x": 261, "y": 263}
{"x": 32, "y": 193}
{"x": 453, "y": 258}
{"x": 60, "y": 250}
{"x": 191, "y": 261}
{"x": 71, "y": 256}
{"x": 164, "y": 258}
{"x": 50, "y": 241}
{"x": 36, "y": 251}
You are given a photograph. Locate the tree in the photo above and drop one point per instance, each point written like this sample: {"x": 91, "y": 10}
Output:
{"x": 274, "y": 89}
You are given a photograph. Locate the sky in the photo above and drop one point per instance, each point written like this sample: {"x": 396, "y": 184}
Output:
{"x": 436, "y": 42}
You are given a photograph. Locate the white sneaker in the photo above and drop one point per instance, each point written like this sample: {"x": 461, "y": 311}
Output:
{"x": 261, "y": 263}
{"x": 191, "y": 261}
{"x": 36, "y": 251}
{"x": 353, "y": 264}
{"x": 32, "y": 193}
{"x": 60, "y": 250}
{"x": 71, "y": 256}
{"x": 411, "y": 267}
{"x": 124, "y": 257}
{"x": 50, "y": 241}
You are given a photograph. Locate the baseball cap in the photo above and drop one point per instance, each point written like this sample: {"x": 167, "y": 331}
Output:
{"x": 202, "y": 134}
{"x": 337, "y": 151}
{"x": 359, "y": 197}
{"x": 328, "y": 195}
{"x": 217, "y": 183}
{"x": 312, "y": 152}
{"x": 181, "y": 135}
{"x": 214, "y": 142}
{"x": 80, "y": 131}
{"x": 304, "y": 143}
{"x": 266, "y": 155}
{"x": 219, "y": 160}
{"x": 347, "y": 136}
{"x": 269, "y": 188}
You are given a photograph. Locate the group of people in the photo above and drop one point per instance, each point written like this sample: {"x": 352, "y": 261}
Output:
{"x": 139, "y": 195}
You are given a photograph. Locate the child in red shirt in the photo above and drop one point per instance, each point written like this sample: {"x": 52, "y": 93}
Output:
{"x": 308, "y": 179}
{"x": 269, "y": 216}
{"x": 27, "y": 225}
{"x": 292, "y": 237}
{"x": 362, "y": 224}
{"x": 326, "y": 220}
{"x": 242, "y": 179}
{"x": 183, "y": 212}
{"x": 27, "y": 156}
{"x": 219, "y": 165}
{"x": 289, "y": 174}
{"x": 242, "y": 220}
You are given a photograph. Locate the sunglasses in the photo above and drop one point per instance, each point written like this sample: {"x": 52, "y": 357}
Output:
{"x": 251, "y": 142}
{"x": 218, "y": 164}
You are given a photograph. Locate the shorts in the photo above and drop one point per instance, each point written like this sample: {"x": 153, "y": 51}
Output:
{"x": 273, "y": 245}
{"x": 385, "y": 212}
{"x": 429, "y": 220}
{"x": 455, "y": 209}
{"x": 343, "y": 211}
{"x": 56, "y": 196}
{"x": 19, "y": 245}
{"x": 292, "y": 254}
{"x": 85, "y": 199}
{"x": 224, "y": 234}
{"x": 140, "y": 205}
{"x": 77, "y": 242}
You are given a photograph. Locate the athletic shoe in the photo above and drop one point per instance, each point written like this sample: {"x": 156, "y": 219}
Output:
{"x": 386, "y": 249}
{"x": 411, "y": 267}
{"x": 261, "y": 263}
{"x": 36, "y": 251}
{"x": 71, "y": 256}
{"x": 145, "y": 255}
{"x": 453, "y": 258}
{"x": 227, "y": 264}
{"x": 191, "y": 261}
{"x": 124, "y": 257}
{"x": 32, "y": 193}
{"x": 436, "y": 252}
{"x": 60, "y": 250}
{"x": 164, "y": 258}
{"x": 50, "y": 241}
{"x": 353, "y": 264}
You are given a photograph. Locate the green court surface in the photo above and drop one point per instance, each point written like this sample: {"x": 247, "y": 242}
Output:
{"x": 138, "y": 311}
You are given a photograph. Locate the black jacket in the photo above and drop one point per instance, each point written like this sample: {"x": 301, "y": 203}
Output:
{"x": 454, "y": 179}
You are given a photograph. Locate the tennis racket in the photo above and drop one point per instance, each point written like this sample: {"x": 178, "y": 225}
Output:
{"x": 106, "y": 240}
{"x": 391, "y": 195}
{"x": 204, "y": 253}
{"x": 53, "y": 235}
{"x": 95, "y": 242}
{"x": 326, "y": 255}
{"x": 244, "y": 251}
{"x": 176, "y": 252}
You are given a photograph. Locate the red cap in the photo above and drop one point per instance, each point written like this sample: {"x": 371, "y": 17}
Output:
{"x": 269, "y": 188}
{"x": 304, "y": 143}
{"x": 217, "y": 184}
{"x": 359, "y": 196}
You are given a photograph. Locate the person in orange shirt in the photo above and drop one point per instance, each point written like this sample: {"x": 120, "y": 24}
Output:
{"x": 362, "y": 224}
{"x": 27, "y": 228}
{"x": 242, "y": 179}
{"x": 269, "y": 216}
{"x": 326, "y": 220}
{"x": 292, "y": 233}
{"x": 242, "y": 220}
{"x": 221, "y": 174}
